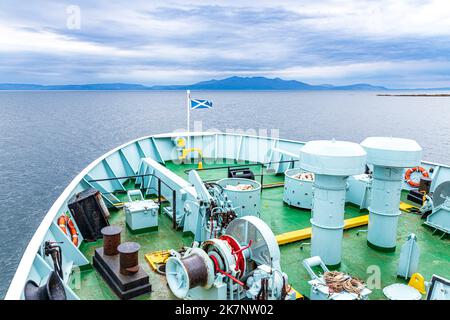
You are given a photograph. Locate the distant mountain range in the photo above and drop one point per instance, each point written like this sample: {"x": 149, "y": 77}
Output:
{"x": 231, "y": 83}
{"x": 262, "y": 83}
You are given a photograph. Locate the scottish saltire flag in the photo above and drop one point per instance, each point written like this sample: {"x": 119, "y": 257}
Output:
{"x": 201, "y": 104}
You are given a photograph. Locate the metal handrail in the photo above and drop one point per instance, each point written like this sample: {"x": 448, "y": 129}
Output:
{"x": 243, "y": 165}
{"x": 262, "y": 164}
{"x": 174, "y": 193}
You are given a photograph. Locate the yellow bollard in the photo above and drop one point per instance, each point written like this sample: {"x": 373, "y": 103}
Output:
{"x": 418, "y": 282}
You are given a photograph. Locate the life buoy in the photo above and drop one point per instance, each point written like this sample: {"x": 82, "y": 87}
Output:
{"x": 408, "y": 173}
{"x": 62, "y": 223}
{"x": 65, "y": 222}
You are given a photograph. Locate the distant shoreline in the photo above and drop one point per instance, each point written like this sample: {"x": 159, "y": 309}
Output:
{"x": 414, "y": 95}
{"x": 234, "y": 83}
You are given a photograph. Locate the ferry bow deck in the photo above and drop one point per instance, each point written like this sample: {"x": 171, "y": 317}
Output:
{"x": 358, "y": 259}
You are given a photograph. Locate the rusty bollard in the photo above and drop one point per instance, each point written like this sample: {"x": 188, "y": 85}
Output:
{"x": 129, "y": 260}
{"x": 111, "y": 240}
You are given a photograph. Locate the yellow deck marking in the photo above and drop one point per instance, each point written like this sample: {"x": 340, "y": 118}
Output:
{"x": 303, "y": 234}
{"x": 407, "y": 207}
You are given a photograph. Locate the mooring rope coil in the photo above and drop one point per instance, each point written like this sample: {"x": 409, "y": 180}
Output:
{"x": 196, "y": 270}
{"x": 338, "y": 281}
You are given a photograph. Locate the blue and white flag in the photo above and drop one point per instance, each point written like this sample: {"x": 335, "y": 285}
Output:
{"x": 201, "y": 104}
{"x": 194, "y": 104}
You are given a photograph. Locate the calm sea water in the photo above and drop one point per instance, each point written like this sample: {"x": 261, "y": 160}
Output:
{"x": 46, "y": 138}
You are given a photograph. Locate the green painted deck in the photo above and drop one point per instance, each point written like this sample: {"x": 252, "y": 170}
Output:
{"x": 358, "y": 259}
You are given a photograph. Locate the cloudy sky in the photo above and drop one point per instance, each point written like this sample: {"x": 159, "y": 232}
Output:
{"x": 396, "y": 43}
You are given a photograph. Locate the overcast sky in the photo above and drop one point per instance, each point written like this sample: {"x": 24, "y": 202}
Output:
{"x": 383, "y": 42}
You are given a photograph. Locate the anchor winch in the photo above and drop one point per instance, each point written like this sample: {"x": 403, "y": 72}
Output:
{"x": 242, "y": 263}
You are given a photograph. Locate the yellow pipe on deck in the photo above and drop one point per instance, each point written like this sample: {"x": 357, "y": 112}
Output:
{"x": 185, "y": 152}
{"x": 303, "y": 234}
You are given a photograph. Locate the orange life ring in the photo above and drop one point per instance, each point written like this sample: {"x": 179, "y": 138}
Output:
{"x": 62, "y": 223}
{"x": 65, "y": 222}
{"x": 410, "y": 171}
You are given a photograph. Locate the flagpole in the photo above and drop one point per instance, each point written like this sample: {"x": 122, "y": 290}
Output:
{"x": 188, "y": 102}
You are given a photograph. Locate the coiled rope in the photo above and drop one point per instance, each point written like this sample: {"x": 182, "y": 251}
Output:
{"x": 339, "y": 281}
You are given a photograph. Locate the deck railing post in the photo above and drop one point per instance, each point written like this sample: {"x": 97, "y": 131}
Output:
{"x": 174, "y": 209}
{"x": 262, "y": 177}
{"x": 159, "y": 195}
{"x": 142, "y": 186}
